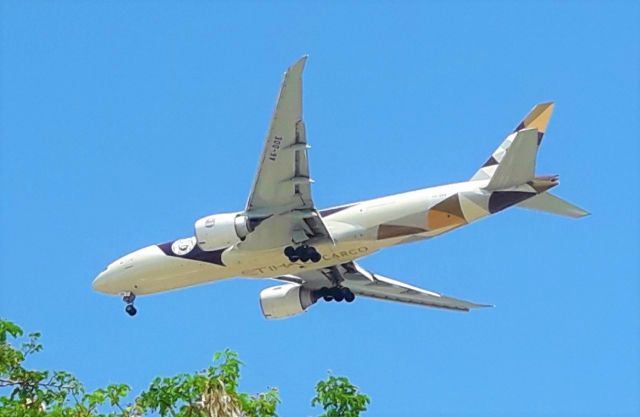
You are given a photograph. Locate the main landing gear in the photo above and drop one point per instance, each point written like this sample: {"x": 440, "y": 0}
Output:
{"x": 302, "y": 253}
{"x": 129, "y": 298}
{"x": 336, "y": 293}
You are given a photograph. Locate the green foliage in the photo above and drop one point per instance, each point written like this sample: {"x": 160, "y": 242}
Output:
{"x": 31, "y": 393}
{"x": 208, "y": 393}
{"x": 339, "y": 398}
{"x": 212, "y": 392}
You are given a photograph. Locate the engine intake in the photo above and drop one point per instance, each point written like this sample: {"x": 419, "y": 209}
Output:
{"x": 285, "y": 301}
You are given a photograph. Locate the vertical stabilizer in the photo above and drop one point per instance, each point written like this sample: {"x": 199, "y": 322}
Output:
{"x": 538, "y": 119}
{"x": 518, "y": 164}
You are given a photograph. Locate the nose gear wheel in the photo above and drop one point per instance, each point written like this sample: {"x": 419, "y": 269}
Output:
{"x": 129, "y": 298}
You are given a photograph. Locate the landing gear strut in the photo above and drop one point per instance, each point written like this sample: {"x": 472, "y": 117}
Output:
{"x": 129, "y": 298}
{"x": 302, "y": 253}
{"x": 336, "y": 293}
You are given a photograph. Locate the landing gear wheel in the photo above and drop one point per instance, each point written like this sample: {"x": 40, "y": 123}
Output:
{"x": 129, "y": 298}
{"x": 324, "y": 293}
{"x": 349, "y": 296}
{"x": 131, "y": 310}
{"x": 304, "y": 253}
{"x": 315, "y": 257}
{"x": 338, "y": 296}
{"x": 291, "y": 253}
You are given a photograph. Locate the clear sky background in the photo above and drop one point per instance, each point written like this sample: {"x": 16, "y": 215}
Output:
{"x": 121, "y": 123}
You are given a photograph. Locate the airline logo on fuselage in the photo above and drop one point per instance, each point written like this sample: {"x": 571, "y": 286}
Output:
{"x": 183, "y": 246}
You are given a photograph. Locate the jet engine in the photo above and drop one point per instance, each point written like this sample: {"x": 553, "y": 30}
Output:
{"x": 221, "y": 230}
{"x": 285, "y": 300}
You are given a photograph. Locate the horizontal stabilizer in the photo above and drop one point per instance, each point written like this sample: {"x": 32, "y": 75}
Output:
{"x": 519, "y": 162}
{"x": 549, "y": 203}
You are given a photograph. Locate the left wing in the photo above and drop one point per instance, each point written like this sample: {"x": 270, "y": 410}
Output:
{"x": 281, "y": 191}
{"x": 367, "y": 284}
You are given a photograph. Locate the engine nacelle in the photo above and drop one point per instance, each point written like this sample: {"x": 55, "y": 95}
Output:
{"x": 285, "y": 301}
{"x": 221, "y": 230}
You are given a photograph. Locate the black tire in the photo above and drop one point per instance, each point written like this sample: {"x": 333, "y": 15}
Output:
{"x": 304, "y": 257}
{"x": 315, "y": 257}
{"x": 339, "y": 297}
{"x": 131, "y": 310}
{"x": 294, "y": 258}
{"x": 327, "y": 298}
{"x": 349, "y": 296}
{"x": 289, "y": 251}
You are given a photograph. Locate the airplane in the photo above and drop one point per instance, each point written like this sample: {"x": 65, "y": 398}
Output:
{"x": 312, "y": 253}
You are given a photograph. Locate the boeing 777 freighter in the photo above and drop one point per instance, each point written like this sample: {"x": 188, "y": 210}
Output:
{"x": 281, "y": 234}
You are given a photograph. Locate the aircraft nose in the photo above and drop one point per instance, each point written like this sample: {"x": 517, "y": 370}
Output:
{"x": 129, "y": 273}
{"x": 101, "y": 284}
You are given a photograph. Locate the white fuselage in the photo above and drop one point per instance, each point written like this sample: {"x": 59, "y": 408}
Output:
{"x": 357, "y": 230}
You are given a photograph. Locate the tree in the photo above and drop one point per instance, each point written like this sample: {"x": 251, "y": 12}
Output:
{"x": 339, "y": 398}
{"x": 212, "y": 392}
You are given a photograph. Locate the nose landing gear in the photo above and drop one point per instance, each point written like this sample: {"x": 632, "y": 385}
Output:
{"x": 129, "y": 298}
{"x": 304, "y": 253}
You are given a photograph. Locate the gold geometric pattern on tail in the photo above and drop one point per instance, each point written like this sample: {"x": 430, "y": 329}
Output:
{"x": 446, "y": 214}
{"x": 538, "y": 117}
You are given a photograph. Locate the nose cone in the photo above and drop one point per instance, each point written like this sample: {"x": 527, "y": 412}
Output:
{"x": 102, "y": 284}
{"x": 132, "y": 272}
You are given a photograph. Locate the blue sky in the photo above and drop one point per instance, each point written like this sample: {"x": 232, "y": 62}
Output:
{"x": 122, "y": 123}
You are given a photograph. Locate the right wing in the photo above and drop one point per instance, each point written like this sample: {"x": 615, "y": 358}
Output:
{"x": 367, "y": 284}
{"x": 280, "y": 202}
{"x": 282, "y": 182}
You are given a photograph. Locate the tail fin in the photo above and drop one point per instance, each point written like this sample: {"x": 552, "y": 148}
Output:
{"x": 550, "y": 203}
{"x": 513, "y": 162}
